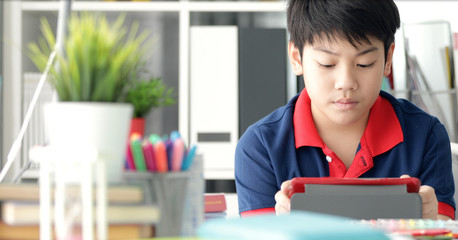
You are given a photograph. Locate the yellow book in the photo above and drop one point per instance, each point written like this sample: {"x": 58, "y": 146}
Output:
{"x": 449, "y": 67}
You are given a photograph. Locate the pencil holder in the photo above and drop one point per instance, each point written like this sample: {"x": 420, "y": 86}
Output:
{"x": 179, "y": 196}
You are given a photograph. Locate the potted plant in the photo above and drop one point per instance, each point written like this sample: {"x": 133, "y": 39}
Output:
{"x": 91, "y": 77}
{"x": 145, "y": 95}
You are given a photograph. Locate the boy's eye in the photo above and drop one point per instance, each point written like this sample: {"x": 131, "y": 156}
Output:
{"x": 326, "y": 65}
{"x": 365, "y": 65}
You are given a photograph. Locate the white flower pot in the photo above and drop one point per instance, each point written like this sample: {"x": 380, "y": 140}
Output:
{"x": 104, "y": 126}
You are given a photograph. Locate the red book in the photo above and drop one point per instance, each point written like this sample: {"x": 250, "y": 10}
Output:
{"x": 215, "y": 203}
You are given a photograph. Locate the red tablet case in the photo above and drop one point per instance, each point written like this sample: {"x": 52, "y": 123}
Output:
{"x": 298, "y": 183}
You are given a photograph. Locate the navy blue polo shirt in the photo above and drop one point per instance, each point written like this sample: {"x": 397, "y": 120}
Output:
{"x": 399, "y": 139}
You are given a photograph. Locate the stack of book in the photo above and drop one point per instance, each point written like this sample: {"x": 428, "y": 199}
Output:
{"x": 127, "y": 214}
{"x": 215, "y": 205}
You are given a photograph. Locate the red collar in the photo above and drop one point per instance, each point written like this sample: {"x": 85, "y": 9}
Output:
{"x": 382, "y": 133}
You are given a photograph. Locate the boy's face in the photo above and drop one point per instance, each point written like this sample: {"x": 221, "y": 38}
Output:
{"x": 342, "y": 81}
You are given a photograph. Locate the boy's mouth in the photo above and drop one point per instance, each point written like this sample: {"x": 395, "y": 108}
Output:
{"x": 345, "y": 104}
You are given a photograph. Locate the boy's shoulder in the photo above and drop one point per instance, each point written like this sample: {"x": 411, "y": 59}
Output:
{"x": 279, "y": 115}
{"x": 411, "y": 117}
{"x": 276, "y": 125}
{"x": 278, "y": 122}
{"x": 404, "y": 106}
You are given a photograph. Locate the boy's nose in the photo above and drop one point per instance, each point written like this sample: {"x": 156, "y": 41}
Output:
{"x": 346, "y": 79}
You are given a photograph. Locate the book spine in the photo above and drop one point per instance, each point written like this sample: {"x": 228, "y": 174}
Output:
{"x": 455, "y": 59}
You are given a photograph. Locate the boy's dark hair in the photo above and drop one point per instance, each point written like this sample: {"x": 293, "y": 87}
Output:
{"x": 353, "y": 20}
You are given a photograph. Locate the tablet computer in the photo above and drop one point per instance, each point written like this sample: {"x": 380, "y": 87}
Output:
{"x": 359, "y": 198}
{"x": 298, "y": 184}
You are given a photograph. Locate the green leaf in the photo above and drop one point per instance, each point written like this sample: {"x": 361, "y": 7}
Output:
{"x": 148, "y": 94}
{"x": 100, "y": 61}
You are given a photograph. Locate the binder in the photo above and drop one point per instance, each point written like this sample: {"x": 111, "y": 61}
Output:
{"x": 214, "y": 96}
{"x": 262, "y": 73}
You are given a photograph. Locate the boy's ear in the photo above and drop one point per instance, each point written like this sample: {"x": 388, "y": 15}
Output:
{"x": 295, "y": 58}
{"x": 389, "y": 60}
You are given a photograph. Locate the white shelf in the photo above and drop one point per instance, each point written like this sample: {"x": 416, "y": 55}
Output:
{"x": 161, "y": 6}
{"x": 105, "y": 6}
{"x": 236, "y": 6}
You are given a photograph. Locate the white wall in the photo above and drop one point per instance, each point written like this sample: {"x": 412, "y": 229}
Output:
{"x": 418, "y": 11}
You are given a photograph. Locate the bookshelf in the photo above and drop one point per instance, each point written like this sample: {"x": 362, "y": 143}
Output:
{"x": 171, "y": 21}
{"x": 438, "y": 23}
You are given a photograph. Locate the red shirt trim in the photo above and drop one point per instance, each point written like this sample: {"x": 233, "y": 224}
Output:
{"x": 383, "y": 130}
{"x": 256, "y": 212}
{"x": 446, "y": 210}
{"x": 305, "y": 132}
{"x": 382, "y": 133}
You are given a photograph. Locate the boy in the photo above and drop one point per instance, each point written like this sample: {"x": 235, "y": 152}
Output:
{"x": 341, "y": 124}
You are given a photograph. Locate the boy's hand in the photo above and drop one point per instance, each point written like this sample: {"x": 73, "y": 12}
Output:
{"x": 283, "y": 204}
{"x": 429, "y": 201}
